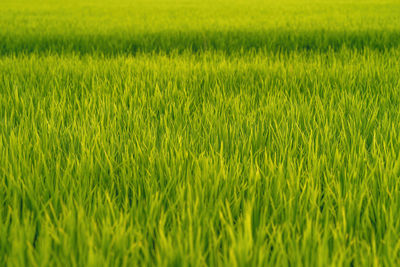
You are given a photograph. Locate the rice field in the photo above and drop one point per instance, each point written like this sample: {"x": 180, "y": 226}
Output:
{"x": 199, "y": 133}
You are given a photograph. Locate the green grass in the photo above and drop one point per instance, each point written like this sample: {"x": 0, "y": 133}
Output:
{"x": 200, "y": 133}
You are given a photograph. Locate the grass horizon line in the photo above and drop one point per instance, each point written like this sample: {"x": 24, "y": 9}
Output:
{"x": 227, "y": 41}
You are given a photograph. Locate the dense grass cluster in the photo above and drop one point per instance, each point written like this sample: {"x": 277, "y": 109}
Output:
{"x": 194, "y": 133}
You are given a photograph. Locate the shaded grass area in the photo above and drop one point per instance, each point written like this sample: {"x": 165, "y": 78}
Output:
{"x": 229, "y": 42}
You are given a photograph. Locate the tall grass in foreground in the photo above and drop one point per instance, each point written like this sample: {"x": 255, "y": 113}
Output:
{"x": 188, "y": 133}
{"x": 243, "y": 160}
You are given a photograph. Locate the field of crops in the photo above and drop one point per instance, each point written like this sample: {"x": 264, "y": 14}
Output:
{"x": 200, "y": 133}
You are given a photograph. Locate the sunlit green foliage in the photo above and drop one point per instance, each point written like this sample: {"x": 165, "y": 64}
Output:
{"x": 196, "y": 133}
